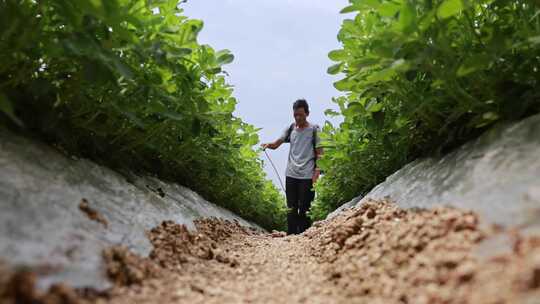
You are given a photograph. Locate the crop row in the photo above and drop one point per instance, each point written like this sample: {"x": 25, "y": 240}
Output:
{"x": 422, "y": 77}
{"x": 125, "y": 82}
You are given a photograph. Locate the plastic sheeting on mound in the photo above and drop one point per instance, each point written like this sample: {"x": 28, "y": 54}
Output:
{"x": 43, "y": 226}
{"x": 496, "y": 175}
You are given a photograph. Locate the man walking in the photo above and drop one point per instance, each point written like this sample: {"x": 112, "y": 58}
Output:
{"x": 302, "y": 171}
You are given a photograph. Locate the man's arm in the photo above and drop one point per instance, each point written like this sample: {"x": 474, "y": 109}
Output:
{"x": 274, "y": 145}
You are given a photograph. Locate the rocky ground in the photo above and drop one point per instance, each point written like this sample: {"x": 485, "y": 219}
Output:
{"x": 377, "y": 253}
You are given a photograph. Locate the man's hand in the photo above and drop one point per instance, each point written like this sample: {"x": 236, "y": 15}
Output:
{"x": 273, "y": 145}
{"x": 316, "y": 175}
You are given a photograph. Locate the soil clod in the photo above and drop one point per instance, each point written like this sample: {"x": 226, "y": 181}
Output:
{"x": 91, "y": 213}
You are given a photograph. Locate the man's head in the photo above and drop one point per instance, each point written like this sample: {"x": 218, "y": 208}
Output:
{"x": 301, "y": 111}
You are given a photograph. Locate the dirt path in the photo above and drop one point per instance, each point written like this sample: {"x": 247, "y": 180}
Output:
{"x": 373, "y": 254}
{"x": 244, "y": 267}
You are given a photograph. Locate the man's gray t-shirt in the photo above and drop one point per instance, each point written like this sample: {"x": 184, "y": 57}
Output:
{"x": 301, "y": 163}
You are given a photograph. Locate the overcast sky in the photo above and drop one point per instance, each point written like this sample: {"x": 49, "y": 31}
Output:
{"x": 280, "y": 49}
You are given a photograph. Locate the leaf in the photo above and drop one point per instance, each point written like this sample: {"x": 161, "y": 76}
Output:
{"x": 386, "y": 74}
{"x": 407, "y": 17}
{"x": 382, "y": 75}
{"x": 253, "y": 139}
{"x": 331, "y": 113}
{"x": 449, "y": 8}
{"x": 367, "y": 4}
{"x": 383, "y": 49}
{"x": 171, "y": 29}
{"x": 224, "y": 57}
{"x": 344, "y": 85}
{"x": 366, "y": 62}
{"x": 337, "y": 55}
{"x": 374, "y": 107}
{"x": 214, "y": 70}
{"x": 473, "y": 64}
{"x": 180, "y": 52}
{"x": 335, "y": 69}
{"x": 388, "y": 9}
{"x": 353, "y": 109}
{"x": 171, "y": 87}
{"x": 400, "y": 122}
{"x": 349, "y": 9}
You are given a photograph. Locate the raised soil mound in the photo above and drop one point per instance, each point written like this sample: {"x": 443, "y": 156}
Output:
{"x": 377, "y": 253}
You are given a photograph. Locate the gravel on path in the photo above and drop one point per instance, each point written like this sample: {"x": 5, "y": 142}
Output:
{"x": 376, "y": 253}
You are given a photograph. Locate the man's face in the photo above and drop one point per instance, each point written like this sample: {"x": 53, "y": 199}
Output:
{"x": 300, "y": 116}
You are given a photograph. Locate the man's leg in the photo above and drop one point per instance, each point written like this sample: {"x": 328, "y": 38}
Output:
{"x": 306, "y": 195}
{"x": 291, "y": 190}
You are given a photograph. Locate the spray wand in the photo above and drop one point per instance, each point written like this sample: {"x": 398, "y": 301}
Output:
{"x": 275, "y": 170}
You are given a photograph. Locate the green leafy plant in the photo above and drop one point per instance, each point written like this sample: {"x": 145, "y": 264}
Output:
{"x": 127, "y": 83}
{"x": 421, "y": 77}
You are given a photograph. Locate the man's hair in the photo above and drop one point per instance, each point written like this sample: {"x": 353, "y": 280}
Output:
{"x": 301, "y": 103}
